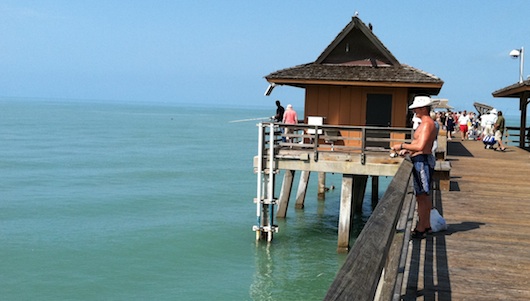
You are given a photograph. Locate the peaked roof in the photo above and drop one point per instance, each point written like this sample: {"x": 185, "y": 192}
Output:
{"x": 356, "y": 57}
{"x": 354, "y": 44}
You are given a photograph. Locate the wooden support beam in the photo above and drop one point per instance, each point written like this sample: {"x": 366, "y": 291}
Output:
{"x": 321, "y": 186}
{"x": 302, "y": 189}
{"x": 375, "y": 191}
{"x": 345, "y": 214}
{"x": 359, "y": 189}
{"x": 285, "y": 193}
{"x": 523, "y": 107}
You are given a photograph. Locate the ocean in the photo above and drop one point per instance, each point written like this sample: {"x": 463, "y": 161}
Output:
{"x": 149, "y": 201}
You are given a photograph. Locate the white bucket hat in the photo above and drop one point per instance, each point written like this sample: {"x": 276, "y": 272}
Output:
{"x": 421, "y": 101}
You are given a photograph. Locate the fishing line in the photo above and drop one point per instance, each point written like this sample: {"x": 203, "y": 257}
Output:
{"x": 249, "y": 119}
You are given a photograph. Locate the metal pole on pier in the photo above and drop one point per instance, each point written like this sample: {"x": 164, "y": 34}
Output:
{"x": 259, "y": 186}
{"x": 266, "y": 171}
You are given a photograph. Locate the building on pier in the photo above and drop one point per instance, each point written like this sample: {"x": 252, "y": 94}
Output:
{"x": 521, "y": 91}
{"x": 356, "y": 104}
{"x": 358, "y": 81}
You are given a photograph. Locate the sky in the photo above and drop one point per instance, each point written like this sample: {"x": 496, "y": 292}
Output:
{"x": 211, "y": 51}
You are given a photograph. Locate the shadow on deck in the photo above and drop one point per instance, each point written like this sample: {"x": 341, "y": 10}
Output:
{"x": 431, "y": 262}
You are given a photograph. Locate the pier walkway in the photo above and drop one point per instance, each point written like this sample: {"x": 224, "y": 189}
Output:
{"x": 485, "y": 254}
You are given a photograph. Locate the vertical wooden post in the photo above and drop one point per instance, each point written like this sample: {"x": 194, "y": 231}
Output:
{"x": 321, "y": 186}
{"x": 523, "y": 105}
{"x": 359, "y": 189}
{"x": 302, "y": 189}
{"x": 285, "y": 193}
{"x": 375, "y": 191}
{"x": 345, "y": 214}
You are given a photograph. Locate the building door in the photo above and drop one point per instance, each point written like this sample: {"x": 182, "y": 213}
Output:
{"x": 378, "y": 113}
{"x": 379, "y": 110}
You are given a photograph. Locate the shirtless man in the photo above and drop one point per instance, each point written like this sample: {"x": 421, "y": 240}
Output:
{"x": 420, "y": 151}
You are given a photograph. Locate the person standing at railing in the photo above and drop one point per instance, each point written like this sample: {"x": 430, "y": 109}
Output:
{"x": 279, "y": 112}
{"x": 289, "y": 117}
{"x": 420, "y": 151}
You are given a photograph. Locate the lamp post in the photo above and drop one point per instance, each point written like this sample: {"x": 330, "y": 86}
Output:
{"x": 519, "y": 53}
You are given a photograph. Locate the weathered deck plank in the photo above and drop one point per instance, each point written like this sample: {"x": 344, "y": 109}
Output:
{"x": 485, "y": 254}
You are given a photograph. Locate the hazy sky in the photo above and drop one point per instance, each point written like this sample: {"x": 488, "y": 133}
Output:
{"x": 219, "y": 51}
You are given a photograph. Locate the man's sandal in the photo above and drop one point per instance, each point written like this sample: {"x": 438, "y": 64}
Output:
{"x": 418, "y": 234}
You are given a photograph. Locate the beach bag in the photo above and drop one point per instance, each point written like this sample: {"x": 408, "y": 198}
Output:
{"x": 437, "y": 221}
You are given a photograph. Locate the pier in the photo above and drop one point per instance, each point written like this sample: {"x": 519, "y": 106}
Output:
{"x": 485, "y": 253}
{"x": 482, "y": 256}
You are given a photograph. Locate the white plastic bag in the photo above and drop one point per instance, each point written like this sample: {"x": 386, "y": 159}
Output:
{"x": 437, "y": 221}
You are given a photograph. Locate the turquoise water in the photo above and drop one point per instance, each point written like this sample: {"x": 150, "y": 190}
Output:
{"x": 117, "y": 201}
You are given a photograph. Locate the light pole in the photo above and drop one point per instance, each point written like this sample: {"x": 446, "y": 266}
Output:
{"x": 519, "y": 53}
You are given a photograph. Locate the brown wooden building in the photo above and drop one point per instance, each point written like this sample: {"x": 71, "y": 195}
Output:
{"x": 357, "y": 81}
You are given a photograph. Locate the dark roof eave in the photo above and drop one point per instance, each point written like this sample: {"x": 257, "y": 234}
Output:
{"x": 430, "y": 88}
{"x": 513, "y": 91}
{"x": 308, "y": 82}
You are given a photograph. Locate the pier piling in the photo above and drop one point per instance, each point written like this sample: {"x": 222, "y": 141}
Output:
{"x": 302, "y": 189}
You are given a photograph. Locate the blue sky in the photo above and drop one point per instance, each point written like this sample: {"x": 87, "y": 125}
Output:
{"x": 219, "y": 51}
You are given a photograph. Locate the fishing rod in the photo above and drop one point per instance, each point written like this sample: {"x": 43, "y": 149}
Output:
{"x": 250, "y": 119}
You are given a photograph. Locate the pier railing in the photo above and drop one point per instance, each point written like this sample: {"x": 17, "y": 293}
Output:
{"x": 514, "y": 136}
{"x": 372, "y": 269}
{"x": 298, "y": 146}
{"x": 321, "y": 138}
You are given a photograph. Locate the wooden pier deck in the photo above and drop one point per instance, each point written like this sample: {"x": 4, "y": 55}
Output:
{"x": 485, "y": 254}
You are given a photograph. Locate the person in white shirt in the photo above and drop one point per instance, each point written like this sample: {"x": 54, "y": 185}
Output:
{"x": 487, "y": 121}
{"x": 462, "y": 121}
{"x": 415, "y": 122}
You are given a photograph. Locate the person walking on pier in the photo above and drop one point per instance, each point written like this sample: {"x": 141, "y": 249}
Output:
{"x": 463, "y": 119}
{"x": 449, "y": 125}
{"x": 420, "y": 151}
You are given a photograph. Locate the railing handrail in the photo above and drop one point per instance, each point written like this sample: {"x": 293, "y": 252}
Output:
{"x": 359, "y": 277}
{"x": 345, "y": 127}
{"x": 312, "y": 141}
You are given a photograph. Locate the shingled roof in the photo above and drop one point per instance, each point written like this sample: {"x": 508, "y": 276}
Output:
{"x": 341, "y": 74}
{"x": 356, "y": 57}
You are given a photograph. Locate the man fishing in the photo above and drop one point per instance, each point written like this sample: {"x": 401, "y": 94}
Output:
{"x": 420, "y": 151}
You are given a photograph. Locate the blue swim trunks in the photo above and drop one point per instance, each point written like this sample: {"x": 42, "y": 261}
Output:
{"x": 422, "y": 173}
